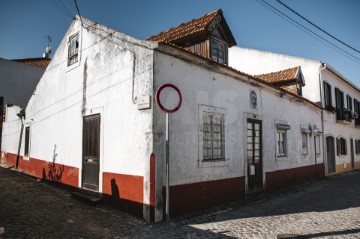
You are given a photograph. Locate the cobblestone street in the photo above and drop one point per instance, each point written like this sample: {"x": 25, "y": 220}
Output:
{"x": 330, "y": 208}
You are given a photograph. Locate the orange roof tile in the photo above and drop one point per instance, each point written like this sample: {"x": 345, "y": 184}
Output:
{"x": 195, "y": 27}
{"x": 39, "y": 62}
{"x": 280, "y": 76}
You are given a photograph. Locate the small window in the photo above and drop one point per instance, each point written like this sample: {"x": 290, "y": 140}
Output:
{"x": 27, "y": 141}
{"x": 304, "y": 140}
{"x": 357, "y": 146}
{"x": 327, "y": 96}
{"x": 281, "y": 143}
{"x": 341, "y": 146}
{"x": 341, "y": 112}
{"x": 356, "y": 115}
{"x": 213, "y": 136}
{"x": 349, "y": 102}
{"x": 218, "y": 51}
{"x": 73, "y": 49}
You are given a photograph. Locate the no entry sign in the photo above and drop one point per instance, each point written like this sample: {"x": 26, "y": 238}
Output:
{"x": 169, "y": 98}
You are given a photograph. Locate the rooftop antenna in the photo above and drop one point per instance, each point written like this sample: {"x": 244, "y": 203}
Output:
{"x": 48, "y": 48}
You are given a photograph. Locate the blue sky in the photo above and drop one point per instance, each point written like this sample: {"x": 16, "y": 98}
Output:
{"x": 24, "y": 24}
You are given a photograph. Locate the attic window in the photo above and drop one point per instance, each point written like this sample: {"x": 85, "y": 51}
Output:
{"x": 73, "y": 49}
{"x": 218, "y": 51}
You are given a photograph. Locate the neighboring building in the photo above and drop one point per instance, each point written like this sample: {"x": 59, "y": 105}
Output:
{"x": 326, "y": 87}
{"x": 93, "y": 122}
{"x": 18, "y": 79}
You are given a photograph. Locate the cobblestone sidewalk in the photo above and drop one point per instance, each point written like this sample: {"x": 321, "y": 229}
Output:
{"x": 328, "y": 209}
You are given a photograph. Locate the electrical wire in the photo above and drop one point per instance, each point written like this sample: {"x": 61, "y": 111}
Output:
{"x": 77, "y": 8}
{"x": 313, "y": 24}
{"x": 66, "y": 8}
{"x": 308, "y": 31}
{"x": 67, "y": 13}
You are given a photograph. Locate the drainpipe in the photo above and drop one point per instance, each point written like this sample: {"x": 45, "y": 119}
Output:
{"x": 322, "y": 116}
{"x": 21, "y": 115}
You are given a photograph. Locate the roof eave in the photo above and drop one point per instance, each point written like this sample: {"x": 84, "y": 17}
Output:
{"x": 192, "y": 57}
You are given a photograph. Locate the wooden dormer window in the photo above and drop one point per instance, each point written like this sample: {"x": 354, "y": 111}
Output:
{"x": 218, "y": 51}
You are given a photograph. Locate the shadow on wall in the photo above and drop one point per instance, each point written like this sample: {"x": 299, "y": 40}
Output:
{"x": 117, "y": 199}
{"x": 54, "y": 172}
{"x": 115, "y": 194}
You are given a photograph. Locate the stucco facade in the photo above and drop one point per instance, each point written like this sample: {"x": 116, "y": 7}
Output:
{"x": 315, "y": 73}
{"x": 113, "y": 82}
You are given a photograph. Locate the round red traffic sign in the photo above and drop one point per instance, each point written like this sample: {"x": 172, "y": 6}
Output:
{"x": 169, "y": 98}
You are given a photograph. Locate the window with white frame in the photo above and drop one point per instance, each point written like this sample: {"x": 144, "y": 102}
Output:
{"x": 304, "y": 140}
{"x": 213, "y": 136}
{"x": 73, "y": 49}
{"x": 341, "y": 146}
{"x": 281, "y": 142}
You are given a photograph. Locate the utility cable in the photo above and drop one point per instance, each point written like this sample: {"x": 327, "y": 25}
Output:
{"x": 308, "y": 31}
{"x": 67, "y": 9}
{"x": 77, "y": 8}
{"x": 313, "y": 24}
{"x": 63, "y": 10}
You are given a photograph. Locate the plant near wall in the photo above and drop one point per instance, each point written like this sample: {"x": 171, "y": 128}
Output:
{"x": 55, "y": 171}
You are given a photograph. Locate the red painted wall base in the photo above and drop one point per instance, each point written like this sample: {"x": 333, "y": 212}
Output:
{"x": 287, "y": 178}
{"x": 124, "y": 191}
{"x": 46, "y": 170}
{"x": 196, "y": 196}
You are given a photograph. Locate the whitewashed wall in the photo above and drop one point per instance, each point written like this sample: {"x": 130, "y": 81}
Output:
{"x": 105, "y": 81}
{"x": 11, "y": 131}
{"x": 334, "y": 129}
{"x": 204, "y": 86}
{"x": 256, "y": 62}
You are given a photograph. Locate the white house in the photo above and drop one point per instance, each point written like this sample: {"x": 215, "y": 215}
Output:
{"x": 93, "y": 122}
{"x": 325, "y": 87}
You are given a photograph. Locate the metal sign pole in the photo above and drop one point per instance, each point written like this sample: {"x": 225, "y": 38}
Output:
{"x": 167, "y": 168}
{"x": 166, "y": 108}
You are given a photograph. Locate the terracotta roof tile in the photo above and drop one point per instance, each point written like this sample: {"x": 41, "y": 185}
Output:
{"x": 280, "y": 76}
{"x": 185, "y": 30}
{"x": 39, "y": 62}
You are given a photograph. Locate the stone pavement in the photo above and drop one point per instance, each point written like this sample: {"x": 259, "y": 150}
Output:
{"x": 330, "y": 208}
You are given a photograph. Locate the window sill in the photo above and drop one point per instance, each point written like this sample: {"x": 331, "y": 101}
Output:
{"x": 281, "y": 157}
{"x": 72, "y": 66}
{"x": 208, "y": 163}
{"x": 213, "y": 160}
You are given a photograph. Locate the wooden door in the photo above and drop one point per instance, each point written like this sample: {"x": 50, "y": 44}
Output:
{"x": 91, "y": 152}
{"x": 330, "y": 153}
{"x": 254, "y": 154}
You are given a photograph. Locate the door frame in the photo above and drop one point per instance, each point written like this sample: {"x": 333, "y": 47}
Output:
{"x": 333, "y": 152}
{"x": 261, "y": 186}
{"x": 91, "y": 112}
